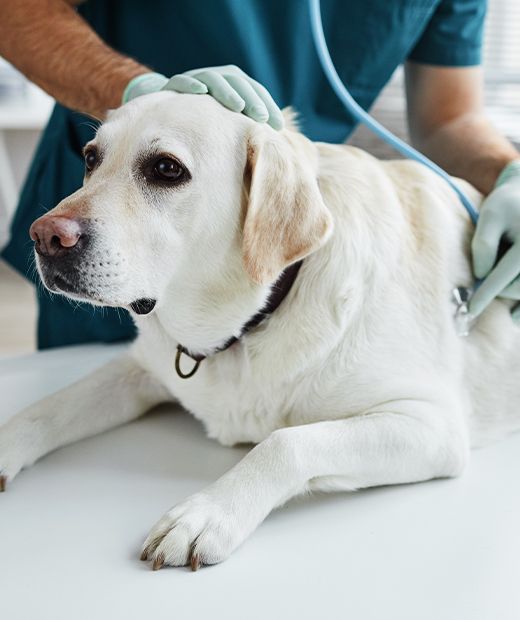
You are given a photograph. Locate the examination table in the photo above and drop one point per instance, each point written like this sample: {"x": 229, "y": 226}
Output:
{"x": 71, "y": 529}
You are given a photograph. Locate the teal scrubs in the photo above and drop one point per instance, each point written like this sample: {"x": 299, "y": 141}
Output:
{"x": 271, "y": 41}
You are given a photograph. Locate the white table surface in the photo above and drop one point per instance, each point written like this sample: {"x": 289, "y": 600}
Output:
{"x": 71, "y": 528}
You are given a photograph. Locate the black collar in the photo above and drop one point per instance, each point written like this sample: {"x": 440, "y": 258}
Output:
{"x": 278, "y": 293}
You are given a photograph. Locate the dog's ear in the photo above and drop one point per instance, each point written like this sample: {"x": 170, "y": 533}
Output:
{"x": 286, "y": 218}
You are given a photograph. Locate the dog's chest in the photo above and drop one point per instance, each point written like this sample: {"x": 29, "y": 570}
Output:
{"x": 243, "y": 396}
{"x": 238, "y": 403}
{"x": 232, "y": 410}
{"x": 233, "y": 413}
{"x": 234, "y": 405}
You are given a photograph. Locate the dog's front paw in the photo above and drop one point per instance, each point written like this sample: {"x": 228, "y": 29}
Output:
{"x": 19, "y": 445}
{"x": 197, "y": 531}
{"x": 10, "y": 461}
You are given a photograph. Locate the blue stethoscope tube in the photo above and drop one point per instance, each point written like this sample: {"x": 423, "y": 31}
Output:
{"x": 359, "y": 114}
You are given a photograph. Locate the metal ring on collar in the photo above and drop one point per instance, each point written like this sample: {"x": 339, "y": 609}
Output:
{"x": 178, "y": 370}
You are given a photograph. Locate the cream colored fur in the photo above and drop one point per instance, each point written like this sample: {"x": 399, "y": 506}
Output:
{"x": 358, "y": 378}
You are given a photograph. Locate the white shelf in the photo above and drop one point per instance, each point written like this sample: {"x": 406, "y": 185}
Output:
{"x": 29, "y": 111}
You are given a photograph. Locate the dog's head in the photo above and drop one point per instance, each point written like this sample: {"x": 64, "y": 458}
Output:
{"x": 177, "y": 185}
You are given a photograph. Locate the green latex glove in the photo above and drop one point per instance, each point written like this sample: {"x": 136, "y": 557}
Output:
{"x": 228, "y": 84}
{"x": 499, "y": 217}
{"x": 144, "y": 85}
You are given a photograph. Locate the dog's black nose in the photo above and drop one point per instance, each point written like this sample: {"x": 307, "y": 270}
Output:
{"x": 54, "y": 235}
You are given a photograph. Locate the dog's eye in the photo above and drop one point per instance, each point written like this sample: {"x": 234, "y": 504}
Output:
{"x": 167, "y": 169}
{"x": 163, "y": 170}
{"x": 91, "y": 160}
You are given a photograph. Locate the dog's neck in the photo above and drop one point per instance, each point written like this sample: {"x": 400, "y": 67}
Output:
{"x": 279, "y": 291}
{"x": 210, "y": 317}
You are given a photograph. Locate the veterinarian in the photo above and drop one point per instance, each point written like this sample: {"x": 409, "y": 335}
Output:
{"x": 71, "y": 53}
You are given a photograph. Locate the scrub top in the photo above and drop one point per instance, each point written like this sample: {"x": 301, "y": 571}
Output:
{"x": 271, "y": 41}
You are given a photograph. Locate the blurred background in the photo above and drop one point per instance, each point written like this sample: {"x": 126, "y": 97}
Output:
{"x": 24, "y": 110}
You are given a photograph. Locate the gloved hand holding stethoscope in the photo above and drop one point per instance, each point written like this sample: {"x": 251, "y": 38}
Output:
{"x": 499, "y": 219}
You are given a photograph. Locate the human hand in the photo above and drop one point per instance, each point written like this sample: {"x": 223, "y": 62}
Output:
{"x": 143, "y": 84}
{"x": 499, "y": 218}
{"x": 228, "y": 84}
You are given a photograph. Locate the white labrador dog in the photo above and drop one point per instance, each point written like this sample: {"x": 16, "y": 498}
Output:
{"x": 188, "y": 215}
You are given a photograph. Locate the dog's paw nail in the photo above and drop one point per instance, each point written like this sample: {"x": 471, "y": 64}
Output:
{"x": 158, "y": 562}
{"x": 195, "y": 562}
{"x": 3, "y": 483}
{"x": 144, "y": 555}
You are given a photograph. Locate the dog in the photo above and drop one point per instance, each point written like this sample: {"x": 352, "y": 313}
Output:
{"x": 290, "y": 294}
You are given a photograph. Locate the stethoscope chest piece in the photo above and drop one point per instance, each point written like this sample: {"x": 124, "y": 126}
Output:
{"x": 464, "y": 320}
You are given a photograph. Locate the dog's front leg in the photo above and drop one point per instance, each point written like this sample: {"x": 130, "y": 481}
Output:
{"x": 408, "y": 441}
{"x": 116, "y": 393}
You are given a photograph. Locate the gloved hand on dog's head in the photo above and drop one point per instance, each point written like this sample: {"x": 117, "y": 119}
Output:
{"x": 228, "y": 84}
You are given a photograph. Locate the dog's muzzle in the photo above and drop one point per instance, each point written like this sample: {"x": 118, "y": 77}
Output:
{"x": 60, "y": 243}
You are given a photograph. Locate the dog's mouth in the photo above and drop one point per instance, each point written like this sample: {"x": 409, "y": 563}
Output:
{"x": 142, "y": 306}
{"x": 73, "y": 290}
{"x": 61, "y": 277}
{"x": 71, "y": 287}
{"x": 59, "y": 283}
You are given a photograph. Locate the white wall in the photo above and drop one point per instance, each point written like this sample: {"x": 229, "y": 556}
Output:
{"x": 21, "y": 145}
{"x": 22, "y": 118}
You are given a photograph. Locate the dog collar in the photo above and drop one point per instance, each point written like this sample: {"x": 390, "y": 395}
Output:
{"x": 278, "y": 293}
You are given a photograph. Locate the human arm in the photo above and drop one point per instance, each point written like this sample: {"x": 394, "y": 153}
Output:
{"x": 448, "y": 124}
{"x": 55, "y": 48}
{"x": 49, "y": 42}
